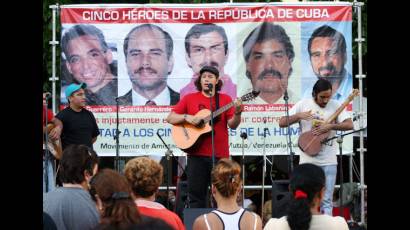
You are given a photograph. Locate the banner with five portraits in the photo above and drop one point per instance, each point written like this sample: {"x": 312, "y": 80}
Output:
{"x": 144, "y": 58}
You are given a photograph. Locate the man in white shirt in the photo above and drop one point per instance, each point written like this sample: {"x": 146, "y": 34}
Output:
{"x": 310, "y": 114}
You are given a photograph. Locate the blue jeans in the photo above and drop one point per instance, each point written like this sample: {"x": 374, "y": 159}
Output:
{"x": 326, "y": 206}
{"x": 49, "y": 171}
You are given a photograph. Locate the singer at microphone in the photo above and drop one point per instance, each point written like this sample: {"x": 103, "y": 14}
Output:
{"x": 190, "y": 111}
{"x": 210, "y": 87}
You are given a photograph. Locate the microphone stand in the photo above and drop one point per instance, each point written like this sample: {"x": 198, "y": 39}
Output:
{"x": 264, "y": 165}
{"x": 243, "y": 136}
{"x": 340, "y": 142}
{"x": 212, "y": 124}
{"x": 117, "y": 141}
{"x": 47, "y": 155}
{"x": 289, "y": 138}
{"x": 212, "y": 132}
{"x": 168, "y": 155}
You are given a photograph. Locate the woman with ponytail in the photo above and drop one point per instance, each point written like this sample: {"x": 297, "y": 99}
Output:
{"x": 226, "y": 186}
{"x": 307, "y": 185}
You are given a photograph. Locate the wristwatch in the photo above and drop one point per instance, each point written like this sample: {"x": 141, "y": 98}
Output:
{"x": 185, "y": 116}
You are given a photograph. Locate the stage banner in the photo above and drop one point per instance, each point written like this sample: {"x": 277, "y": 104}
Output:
{"x": 145, "y": 57}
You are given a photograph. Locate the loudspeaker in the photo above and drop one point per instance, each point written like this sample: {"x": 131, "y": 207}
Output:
{"x": 181, "y": 198}
{"x": 190, "y": 214}
{"x": 280, "y": 198}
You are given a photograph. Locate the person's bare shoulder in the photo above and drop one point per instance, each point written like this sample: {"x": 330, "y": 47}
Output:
{"x": 248, "y": 221}
{"x": 199, "y": 223}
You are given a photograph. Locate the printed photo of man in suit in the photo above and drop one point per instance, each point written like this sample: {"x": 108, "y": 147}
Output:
{"x": 149, "y": 60}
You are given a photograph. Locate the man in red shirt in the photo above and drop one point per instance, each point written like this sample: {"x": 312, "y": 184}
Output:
{"x": 200, "y": 154}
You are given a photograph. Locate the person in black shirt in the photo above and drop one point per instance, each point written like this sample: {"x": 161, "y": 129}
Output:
{"x": 75, "y": 124}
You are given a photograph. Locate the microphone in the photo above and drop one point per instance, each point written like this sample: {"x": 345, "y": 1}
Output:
{"x": 244, "y": 135}
{"x": 210, "y": 86}
{"x": 285, "y": 95}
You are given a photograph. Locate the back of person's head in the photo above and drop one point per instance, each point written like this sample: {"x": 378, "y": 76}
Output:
{"x": 265, "y": 32}
{"x": 327, "y": 31}
{"x": 76, "y": 160}
{"x": 144, "y": 175}
{"x": 198, "y": 30}
{"x": 82, "y": 30}
{"x": 226, "y": 177}
{"x": 150, "y": 223}
{"x": 118, "y": 207}
{"x": 306, "y": 183}
{"x": 320, "y": 86}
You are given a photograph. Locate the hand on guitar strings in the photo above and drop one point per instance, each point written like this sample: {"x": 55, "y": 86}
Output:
{"x": 238, "y": 106}
{"x": 321, "y": 128}
{"x": 196, "y": 121}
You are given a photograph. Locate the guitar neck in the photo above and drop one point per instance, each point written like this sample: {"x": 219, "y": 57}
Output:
{"x": 219, "y": 111}
{"x": 339, "y": 110}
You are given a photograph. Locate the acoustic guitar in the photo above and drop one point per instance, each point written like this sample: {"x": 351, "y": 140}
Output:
{"x": 310, "y": 143}
{"x": 54, "y": 146}
{"x": 185, "y": 134}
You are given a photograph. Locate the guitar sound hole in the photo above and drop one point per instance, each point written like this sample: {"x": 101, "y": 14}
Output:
{"x": 200, "y": 124}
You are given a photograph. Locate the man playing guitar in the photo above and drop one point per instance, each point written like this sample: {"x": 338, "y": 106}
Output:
{"x": 315, "y": 116}
{"x": 200, "y": 153}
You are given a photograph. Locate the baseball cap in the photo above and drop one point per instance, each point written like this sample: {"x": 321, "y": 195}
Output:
{"x": 74, "y": 87}
{"x": 210, "y": 69}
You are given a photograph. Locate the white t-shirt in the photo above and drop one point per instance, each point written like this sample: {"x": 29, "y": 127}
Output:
{"x": 318, "y": 222}
{"x": 327, "y": 155}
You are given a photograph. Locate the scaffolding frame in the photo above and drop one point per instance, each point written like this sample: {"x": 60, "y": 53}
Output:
{"x": 360, "y": 76}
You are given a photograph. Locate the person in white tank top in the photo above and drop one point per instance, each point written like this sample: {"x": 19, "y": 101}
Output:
{"x": 307, "y": 186}
{"x": 226, "y": 186}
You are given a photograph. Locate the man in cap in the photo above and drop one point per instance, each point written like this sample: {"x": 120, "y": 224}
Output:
{"x": 200, "y": 154}
{"x": 75, "y": 124}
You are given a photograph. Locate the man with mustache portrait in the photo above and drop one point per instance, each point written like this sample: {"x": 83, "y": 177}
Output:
{"x": 206, "y": 44}
{"x": 148, "y": 54}
{"x": 327, "y": 53}
{"x": 268, "y": 54}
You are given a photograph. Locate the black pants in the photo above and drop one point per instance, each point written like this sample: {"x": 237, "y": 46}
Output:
{"x": 199, "y": 178}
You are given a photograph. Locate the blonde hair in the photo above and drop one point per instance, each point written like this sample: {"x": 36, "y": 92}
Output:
{"x": 144, "y": 175}
{"x": 226, "y": 177}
